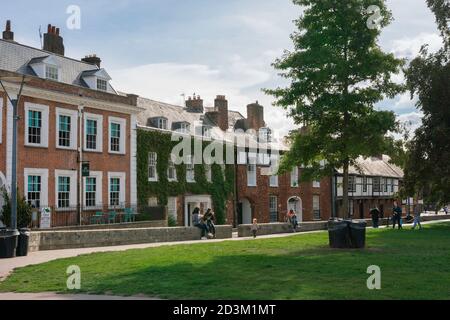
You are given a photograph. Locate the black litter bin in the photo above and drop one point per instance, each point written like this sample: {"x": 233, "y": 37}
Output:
{"x": 338, "y": 233}
{"x": 22, "y": 246}
{"x": 8, "y": 243}
{"x": 358, "y": 234}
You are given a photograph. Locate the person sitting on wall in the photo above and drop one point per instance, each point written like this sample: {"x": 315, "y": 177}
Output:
{"x": 198, "y": 221}
{"x": 210, "y": 218}
{"x": 292, "y": 219}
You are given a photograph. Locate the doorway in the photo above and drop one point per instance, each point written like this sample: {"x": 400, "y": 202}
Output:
{"x": 295, "y": 203}
{"x": 191, "y": 202}
{"x": 246, "y": 212}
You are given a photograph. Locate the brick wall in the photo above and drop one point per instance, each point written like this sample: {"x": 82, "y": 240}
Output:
{"x": 3, "y": 135}
{"x": 259, "y": 196}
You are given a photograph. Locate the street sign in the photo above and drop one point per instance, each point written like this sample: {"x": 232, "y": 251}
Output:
{"x": 85, "y": 169}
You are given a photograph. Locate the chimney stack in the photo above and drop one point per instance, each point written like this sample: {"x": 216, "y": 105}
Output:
{"x": 53, "y": 42}
{"x": 255, "y": 116}
{"x": 93, "y": 59}
{"x": 221, "y": 107}
{"x": 8, "y": 34}
{"x": 195, "y": 104}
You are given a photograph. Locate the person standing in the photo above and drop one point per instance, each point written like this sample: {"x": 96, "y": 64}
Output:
{"x": 397, "y": 216}
{"x": 210, "y": 219}
{"x": 417, "y": 213}
{"x": 375, "y": 213}
{"x": 254, "y": 228}
{"x": 446, "y": 210}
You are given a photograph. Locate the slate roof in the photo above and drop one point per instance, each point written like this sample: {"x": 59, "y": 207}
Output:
{"x": 375, "y": 167}
{"x": 16, "y": 57}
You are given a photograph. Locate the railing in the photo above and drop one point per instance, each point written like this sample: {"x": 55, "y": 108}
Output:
{"x": 104, "y": 214}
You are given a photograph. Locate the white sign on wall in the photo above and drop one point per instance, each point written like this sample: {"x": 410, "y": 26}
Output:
{"x": 46, "y": 218}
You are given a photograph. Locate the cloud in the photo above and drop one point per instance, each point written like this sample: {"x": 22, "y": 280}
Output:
{"x": 412, "y": 120}
{"x": 410, "y": 47}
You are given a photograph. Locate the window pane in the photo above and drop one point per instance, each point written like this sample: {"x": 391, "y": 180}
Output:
{"x": 91, "y": 188}
{"x": 63, "y": 192}
{"x": 115, "y": 137}
{"x": 114, "y": 192}
{"x": 34, "y": 126}
{"x": 34, "y": 190}
{"x": 51, "y": 73}
{"x": 91, "y": 134}
{"x": 102, "y": 85}
{"x": 152, "y": 165}
{"x": 64, "y": 131}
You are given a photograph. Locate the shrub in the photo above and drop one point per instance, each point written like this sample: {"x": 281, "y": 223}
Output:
{"x": 23, "y": 211}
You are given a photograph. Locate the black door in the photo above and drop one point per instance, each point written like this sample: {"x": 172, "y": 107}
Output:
{"x": 361, "y": 210}
{"x": 239, "y": 211}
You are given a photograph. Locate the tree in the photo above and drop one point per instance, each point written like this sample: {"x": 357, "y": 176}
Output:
{"x": 337, "y": 74}
{"x": 428, "y": 76}
{"x": 23, "y": 211}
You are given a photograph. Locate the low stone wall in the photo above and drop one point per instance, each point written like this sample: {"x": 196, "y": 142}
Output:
{"x": 278, "y": 228}
{"x": 131, "y": 225}
{"x": 55, "y": 240}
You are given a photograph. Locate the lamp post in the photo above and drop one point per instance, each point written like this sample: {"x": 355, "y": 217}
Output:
{"x": 15, "y": 103}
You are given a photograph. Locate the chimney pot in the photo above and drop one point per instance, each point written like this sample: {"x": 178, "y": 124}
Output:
{"x": 53, "y": 30}
{"x": 49, "y": 28}
{"x": 92, "y": 59}
{"x": 57, "y": 31}
{"x": 53, "y": 42}
{"x": 8, "y": 34}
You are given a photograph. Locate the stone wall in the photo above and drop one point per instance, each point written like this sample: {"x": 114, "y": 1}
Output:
{"x": 56, "y": 240}
{"x": 133, "y": 225}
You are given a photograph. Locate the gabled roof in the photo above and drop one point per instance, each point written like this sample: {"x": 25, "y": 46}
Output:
{"x": 375, "y": 167}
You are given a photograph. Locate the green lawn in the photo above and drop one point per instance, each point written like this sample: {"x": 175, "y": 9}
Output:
{"x": 414, "y": 265}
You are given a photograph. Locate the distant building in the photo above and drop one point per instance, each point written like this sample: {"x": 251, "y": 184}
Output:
{"x": 255, "y": 194}
{"x": 373, "y": 182}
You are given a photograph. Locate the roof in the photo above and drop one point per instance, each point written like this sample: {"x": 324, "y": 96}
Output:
{"x": 375, "y": 167}
{"x": 176, "y": 114}
{"x": 16, "y": 57}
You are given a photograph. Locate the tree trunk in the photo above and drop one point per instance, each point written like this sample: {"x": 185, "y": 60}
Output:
{"x": 345, "y": 213}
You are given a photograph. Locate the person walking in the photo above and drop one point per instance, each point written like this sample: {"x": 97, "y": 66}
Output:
{"x": 397, "y": 216}
{"x": 417, "y": 214}
{"x": 375, "y": 213}
{"x": 198, "y": 222}
{"x": 254, "y": 228}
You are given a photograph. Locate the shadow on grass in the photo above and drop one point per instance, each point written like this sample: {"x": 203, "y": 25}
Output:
{"x": 414, "y": 265}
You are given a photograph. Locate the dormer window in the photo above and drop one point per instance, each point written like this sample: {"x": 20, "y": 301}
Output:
{"x": 206, "y": 132}
{"x": 185, "y": 127}
{"x": 102, "y": 85}
{"x": 162, "y": 123}
{"x": 265, "y": 135}
{"x": 51, "y": 72}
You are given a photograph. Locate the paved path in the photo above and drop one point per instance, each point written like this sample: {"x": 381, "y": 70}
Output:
{"x": 8, "y": 265}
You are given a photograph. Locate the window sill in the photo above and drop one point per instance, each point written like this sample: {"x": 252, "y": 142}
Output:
{"x": 117, "y": 153}
{"x": 66, "y": 148}
{"x": 70, "y": 209}
{"x": 37, "y": 146}
{"x": 172, "y": 180}
{"x": 92, "y": 151}
{"x": 153, "y": 180}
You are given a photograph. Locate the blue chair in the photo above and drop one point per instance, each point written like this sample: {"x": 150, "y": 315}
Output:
{"x": 129, "y": 215}
{"x": 97, "y": 218}
{"x": 112, "y": 217}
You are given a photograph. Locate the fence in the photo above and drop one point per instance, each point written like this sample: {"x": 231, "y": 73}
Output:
{"x": 85, "y": 216}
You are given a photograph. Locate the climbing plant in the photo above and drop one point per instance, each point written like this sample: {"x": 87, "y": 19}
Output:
{"x": 220, "y": 188}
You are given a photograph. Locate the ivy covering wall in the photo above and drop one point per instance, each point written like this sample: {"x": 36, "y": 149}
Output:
{"x": 220, "y": 188}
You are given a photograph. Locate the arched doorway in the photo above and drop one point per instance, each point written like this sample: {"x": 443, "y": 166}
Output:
{"x": 295, "y": 203}
{"x": 246, "y": 211}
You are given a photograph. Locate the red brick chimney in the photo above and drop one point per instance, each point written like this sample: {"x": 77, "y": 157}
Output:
{"x": 53, "y": 42}
{"x": 255, "y": 116}
{"x": 93, "y": 59}
{"x": 8, "y": 34}
{"x": 221, "y": 107}
{"x": 195, "y": 104}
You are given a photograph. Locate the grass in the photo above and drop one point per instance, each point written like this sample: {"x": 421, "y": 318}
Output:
{"x": 414, "y": 265}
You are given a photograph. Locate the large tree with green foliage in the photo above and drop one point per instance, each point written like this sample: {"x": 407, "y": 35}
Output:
{"x": 427, "y": 168}
{"x": 337, "y": 73}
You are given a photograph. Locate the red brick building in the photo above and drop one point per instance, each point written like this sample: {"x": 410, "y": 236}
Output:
{"x": 69, "y": 114}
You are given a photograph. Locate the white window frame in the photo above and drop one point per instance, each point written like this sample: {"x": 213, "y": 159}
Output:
{"x": 97, "y": 86}
{"x": 98, "y": 192}
{"x": 184, "y": 127}
{"x": 171, "y": 165}
{"x": 73, "y": 114}
{"x": 208, "y": 172}
{"x": 99, "y": 143}
{"x": 73, "y": 187}
{"x": 160, "y": 123}
{"x": 43, "y": 173}
{"x": 44, "y": 124}
{"x": 48, "y": 66}
{"x": 123, "y": 129}
{"x": 172, "y": 207}
{"x": 294, "y": 178}
{"x": 155, "y": 178}
{"x": 122, "y": 196}
{"x": 316, "y": 184}
{"x": 316, "y": 206}
{"x": 273, "y": 181}
{"x": 273, "y": 206}
{"x": 190, "y": 167}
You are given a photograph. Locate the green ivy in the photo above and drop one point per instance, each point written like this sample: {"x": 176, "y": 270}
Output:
{"x": 220, "y": 188}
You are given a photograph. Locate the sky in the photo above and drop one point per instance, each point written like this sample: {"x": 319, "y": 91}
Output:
{"x": 161, "y": 49}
